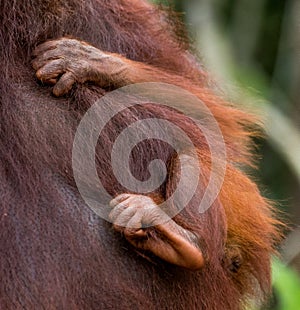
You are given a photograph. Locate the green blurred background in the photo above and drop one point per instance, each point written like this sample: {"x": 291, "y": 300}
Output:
{"x": 252, "y": 48}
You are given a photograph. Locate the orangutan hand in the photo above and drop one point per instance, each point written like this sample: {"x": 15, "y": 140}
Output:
{"x": 133, "y": 215}
{"x": 65, "y": 61}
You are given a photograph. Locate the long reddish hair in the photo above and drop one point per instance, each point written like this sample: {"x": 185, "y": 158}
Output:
{"x": 56, "y": 252}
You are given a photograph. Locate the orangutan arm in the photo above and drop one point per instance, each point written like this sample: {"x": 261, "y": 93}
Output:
{"x": 148, "y": 228}
{"x": 145, "y": 224}
{"x": 65, "y": 61}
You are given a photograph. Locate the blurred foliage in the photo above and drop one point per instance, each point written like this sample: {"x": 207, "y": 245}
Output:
{"x": 253, "y": 49}
{"x": 286, "y": 286}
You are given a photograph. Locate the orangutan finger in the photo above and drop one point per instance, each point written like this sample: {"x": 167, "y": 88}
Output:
{"x": 49, "y": 45}
{"x": 135, "y": 223}
{"x": 117, "y": 210}
{"x": 64, "y": 85}
{"x": 44, "y": 58}
{"x": 124, "y": 217}
{"x": 51, "y": 70}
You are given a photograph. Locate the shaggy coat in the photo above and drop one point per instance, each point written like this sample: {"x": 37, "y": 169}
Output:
{"x": 55, "y": 252}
